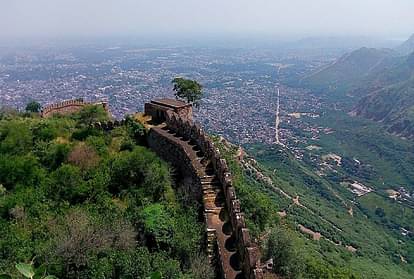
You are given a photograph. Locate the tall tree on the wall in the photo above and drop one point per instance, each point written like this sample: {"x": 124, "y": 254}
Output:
{"x": 189, "y": 90}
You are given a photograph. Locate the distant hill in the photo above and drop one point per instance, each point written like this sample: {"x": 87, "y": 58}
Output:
{"x": 394, "y": 103}
{"x": 407, "y": 47}
{"x": 382, "y": 80}
{"x": 349, "y": 71}
{"x": 345, "y": 43}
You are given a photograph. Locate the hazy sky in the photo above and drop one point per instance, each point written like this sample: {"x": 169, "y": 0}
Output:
{"x": 33, "y": 18}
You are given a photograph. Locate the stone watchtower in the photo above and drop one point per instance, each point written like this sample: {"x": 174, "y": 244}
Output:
{"x": 157, "y": 109}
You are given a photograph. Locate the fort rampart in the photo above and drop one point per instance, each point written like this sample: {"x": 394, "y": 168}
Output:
{"x": 172, "y": 149}
{"x": 69, "y": 106}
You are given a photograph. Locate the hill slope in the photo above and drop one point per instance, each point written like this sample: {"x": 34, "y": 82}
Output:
{"x": 393, "y": 102}
{"x": 407, "y": 47}
{"x": 380, "y": 82}
{"x": 358, "y": 241}
{"x": 348, "y": 71}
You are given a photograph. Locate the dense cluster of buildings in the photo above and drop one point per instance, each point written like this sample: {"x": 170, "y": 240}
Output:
{"x": 240, "y": 85}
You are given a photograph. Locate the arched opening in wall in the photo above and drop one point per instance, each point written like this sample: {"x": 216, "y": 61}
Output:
{"x": 224, "y": 215}
{"x": 219, "y": 200}
{"x": 227, "y": 229}
{"x": 196, "y": 148}
{"x": 200, "y": 153}
{"x": 235, "y": 261}
{"x": 185, "y": 138}
{"x": 193, "y": 143}
{"x": 230, "y": 243}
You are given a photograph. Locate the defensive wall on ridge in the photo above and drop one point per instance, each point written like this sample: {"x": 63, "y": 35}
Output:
{"x": 188, "y": 148}
{"x": 69, "y": 106}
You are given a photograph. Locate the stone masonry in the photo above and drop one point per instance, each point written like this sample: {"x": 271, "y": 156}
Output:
{"x": 189, "y": 149}
{"x": 69, "y": 106}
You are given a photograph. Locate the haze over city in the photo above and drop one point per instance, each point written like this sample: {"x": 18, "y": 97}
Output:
{"x": 187, "y": 18}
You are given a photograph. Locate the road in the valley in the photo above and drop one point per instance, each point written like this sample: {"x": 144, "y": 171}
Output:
{"x": 277, "y": 116}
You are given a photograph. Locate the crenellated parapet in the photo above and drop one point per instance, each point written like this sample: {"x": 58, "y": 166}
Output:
{"x": 247, "y": 251}
{"x": 69, "y": 106}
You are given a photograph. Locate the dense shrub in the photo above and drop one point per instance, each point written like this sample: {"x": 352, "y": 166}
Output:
{"x": 286, "y": 257}
{"x": 140, "y": 172}
{"x": 84, "y": 203}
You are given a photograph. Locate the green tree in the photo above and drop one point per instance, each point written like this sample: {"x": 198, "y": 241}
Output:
{"x": 91, "y": 114}
{"x": 281, "y": 248}
{"x": 140, "y": 172}
{"x": 135, "y": 129}
{"x": 380, "y": 212}
{"x": 33, "y": 106}
{"x": 187, "y": 89}
{"x": 67, "y": 184}
{"x": 15, "y": 137}
{"x": 20, "y": 170}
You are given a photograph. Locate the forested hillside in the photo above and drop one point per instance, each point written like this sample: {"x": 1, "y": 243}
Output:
{"x": 392, "y": 103}
{"x": 373, "y": 83}
{"x": 331, "y": 225}
{"x": 77, "y": 202}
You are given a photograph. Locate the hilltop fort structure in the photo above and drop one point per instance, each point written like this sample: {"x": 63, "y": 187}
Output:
{"x": 69, "y": 106}
{"x": 205, "y": 176}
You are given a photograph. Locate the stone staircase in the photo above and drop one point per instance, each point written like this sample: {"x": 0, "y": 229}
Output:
{"x": 206, "y": 177}
{"x": 220, "y": 243}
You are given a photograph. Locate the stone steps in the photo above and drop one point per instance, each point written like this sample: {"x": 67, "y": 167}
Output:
{"x": 214, "y": 203}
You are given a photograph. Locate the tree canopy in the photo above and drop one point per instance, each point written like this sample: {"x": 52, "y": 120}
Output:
{"x": 79, "y": 202}
{"x": 187, "y": 89}
{"x": 33, "y": 106}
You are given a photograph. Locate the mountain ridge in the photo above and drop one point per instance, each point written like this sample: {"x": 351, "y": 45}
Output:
{"x": 348, "y": 72}
{"x": 407, "y": 47}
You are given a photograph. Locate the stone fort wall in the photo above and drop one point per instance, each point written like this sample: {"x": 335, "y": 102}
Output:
{"x": 69, "y": 106}
{"x": 173, "y": 151}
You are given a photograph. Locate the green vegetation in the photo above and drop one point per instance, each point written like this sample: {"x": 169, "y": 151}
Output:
{"x": 387, "y": 161}
{"x": 375, "y": 83}
{"x": 33, "y": 106}
{"x": 379, "y": 227}
{"x": 189, "y": 90}
{"x": 393, "y": 105}
{"x": 78, "y": 202}
{"x": 295, "y": 257}
{"x": 83, "y": 203}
